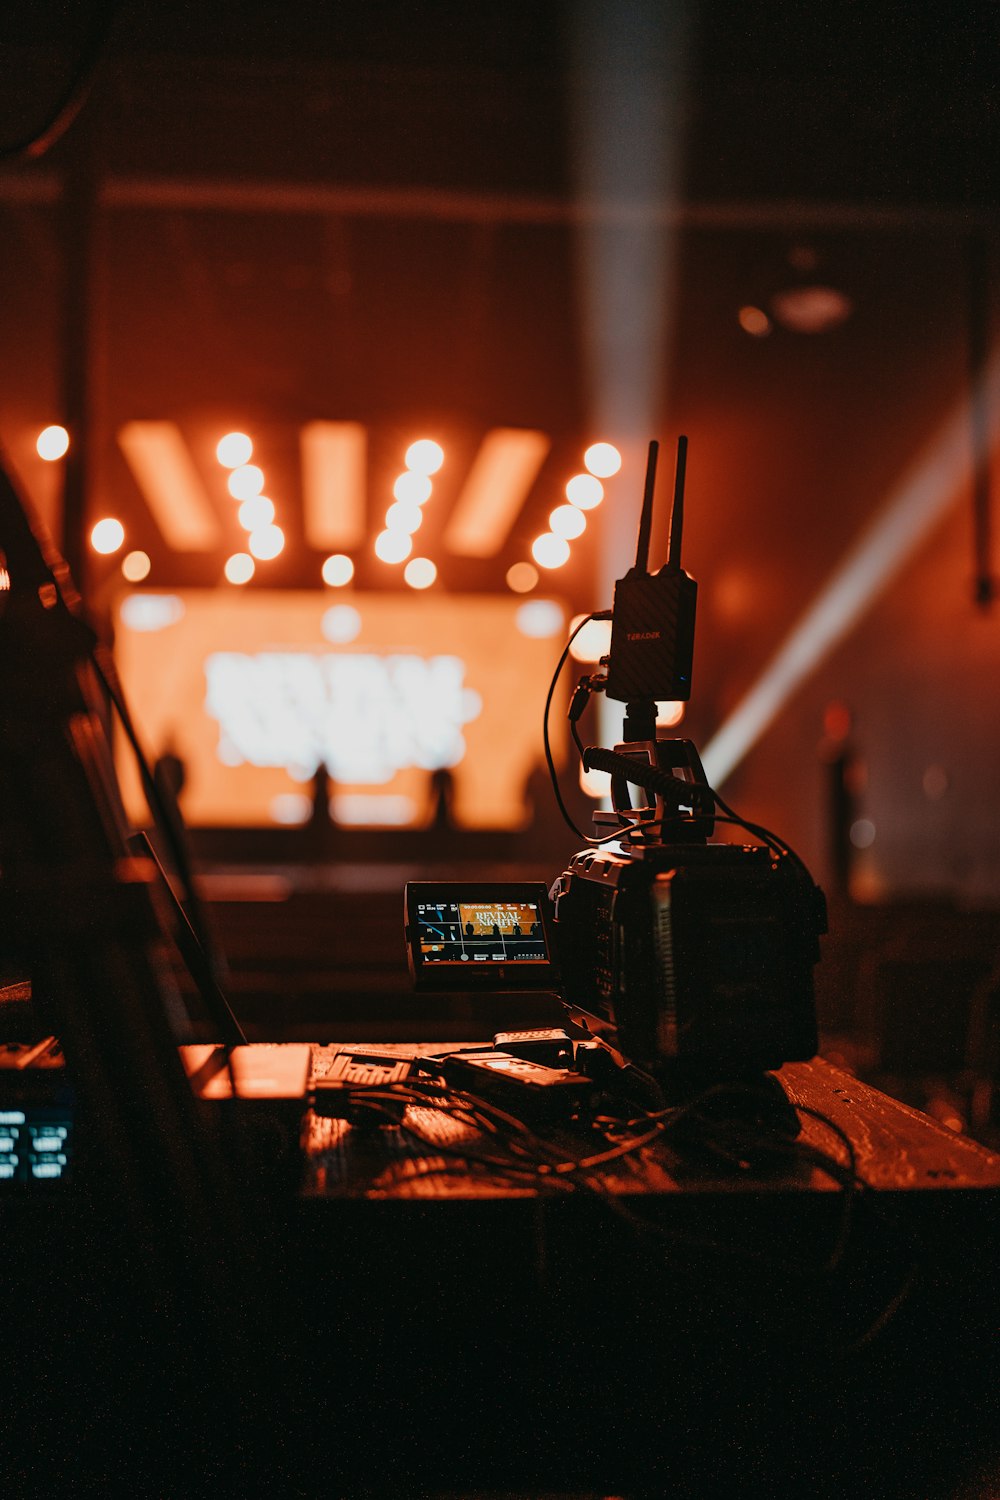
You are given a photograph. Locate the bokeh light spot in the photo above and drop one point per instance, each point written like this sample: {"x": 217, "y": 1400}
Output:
{"x": 338, "y": 570}
{"x": 393, "y": 546}
{"x": 420, "y": 572}
{"x": 107, "y": 536}
{"x": 568, "y": 521}
{"x": 602, "y": 460}
{"x": 245, "y": 481}
{"x": 239, "y": 568}
{"x": 584, "y": 491}
{"x": 234, "y": 450}
{"x": 521, "y": 577}
{"x": 424, "y": 456}
{"x": 136, "y": 566}
{"x": 550, "y": 551}
{"x": 266, "y": 542}
{"x": 52, "y": 443}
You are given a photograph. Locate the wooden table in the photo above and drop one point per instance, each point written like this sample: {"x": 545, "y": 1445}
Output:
{"x": 675, "y": 1328}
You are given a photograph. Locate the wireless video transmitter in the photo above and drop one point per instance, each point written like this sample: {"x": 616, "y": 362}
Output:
{"x": 652, "y": 632}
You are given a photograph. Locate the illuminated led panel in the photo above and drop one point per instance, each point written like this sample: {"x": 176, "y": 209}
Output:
{"x": 497, "y": 486}
{"x": 165, "y": 473}
{"x": 334, "y": 483}
{"x": 253, "y": 689}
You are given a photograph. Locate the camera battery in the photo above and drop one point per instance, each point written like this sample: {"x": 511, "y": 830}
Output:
{"x": 528, "y": 1090}
{"x": 543, "y": 1044}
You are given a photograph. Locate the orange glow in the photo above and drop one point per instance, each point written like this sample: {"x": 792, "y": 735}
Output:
{"x": 669, "y": 713}
{"x": 403, "y": 517}
{"x": 107, "y": 536}
{"x": 584, "y": 491}
{"x": 420, "y": 572}
{"x": 234, "y": 450}
{"x": 266, "y": 542}
{"x": 424, "y": 456}
{"x": 567, "y": 521}
{"x": 521, "y": 577}
{"x": 338, "y": 570}
{"x": 393, "y": 546}
{"x": 602, "y": 460}
{"x": 245, "y": 482}
{"x": 550, "y": 551}
{"x": 256, "y": 512}
{"x": 136, "y": 566}
{"x": 495, "y": 489}
{"x": 334, "y": 483}
{"x": 240, "y": 568}
{"x": 755, "y": 321}
{"x": 412, "y": 489}
{"x": 593, "y": 642}
{"x": 52, "y": 443}
{"x": 164, "y": 470}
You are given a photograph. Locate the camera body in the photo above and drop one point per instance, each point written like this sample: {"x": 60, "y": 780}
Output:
{"x": 691, "y": 957}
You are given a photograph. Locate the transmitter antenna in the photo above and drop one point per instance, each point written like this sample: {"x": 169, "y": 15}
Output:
{"x": 677, "y": 511}
{"x": 646, "y": 516}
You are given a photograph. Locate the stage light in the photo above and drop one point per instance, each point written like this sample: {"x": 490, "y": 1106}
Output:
{"x": 540, "y": 619}
{"x": 521, "y": 577}
{"x": 495, "y": 489}
{"x": 567, "y": 521}
{"x": 334, "y": 483}
{"x": 925, "y": 492}
{"x": 174, "y": 490}
{"x": 550, "y": 551}
{"x": 341, "y": 624}
{"x": 584, "y": 491}
{"x": 136, "y": 566}
{"x": 246, "y": 481}
{"x": 266, "y": 542}
{"x": 52, "y": 443}
{"x": 412, "y": 489}
{"x": 256, "y": 512}
{"x": 239, "y": 568}
{"x": 424, "y": 456}
{"x": 393, "y": 546}
{"x": 234, "y": 450}
{"x": 593, "y": 642}
{"x": 107, "y": 536}
{"x": 420, "y": 572}
{"x": 403, "y": 517}
{"x": 338, "y": 570}
{"x": 602, "y": 460}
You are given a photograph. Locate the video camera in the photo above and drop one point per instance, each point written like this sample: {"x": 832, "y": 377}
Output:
{"x": 691, "y": 959}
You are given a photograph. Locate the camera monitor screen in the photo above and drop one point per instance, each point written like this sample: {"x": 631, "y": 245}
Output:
{"x": 478, "y": 936}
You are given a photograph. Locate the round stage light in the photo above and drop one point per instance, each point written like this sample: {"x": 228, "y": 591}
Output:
{"x": 107, "y": 536}
{"x": 412, "y": 489}
{"x": 239, "y": 568}
{"x": 234, "y": 450}
{"x": 338, "y": 570}
{"x": 550, "y": 551}
{"x": 136, "y": 566}
{"x": 52, "y": 443}
{"x": 584, "y": 491}
{"x": 256, "y": 512}
{"x": 403, "y": 517}
{"x": 521, "y": 577}
{"x": 266, "y": 542}
{"x": 568, "y": 521}
{"x": 420, "y": 572}
{"x": 246, "y": 481}
{"x": 424, "y": 456}
{"x": 602, "y": 460}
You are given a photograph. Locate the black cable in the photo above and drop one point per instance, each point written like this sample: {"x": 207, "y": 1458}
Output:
{"x": 601, "y": 614}
{"x": 74, "y": 96}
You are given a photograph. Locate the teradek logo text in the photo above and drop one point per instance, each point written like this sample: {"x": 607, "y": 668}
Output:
{"x": 644, "y": 635}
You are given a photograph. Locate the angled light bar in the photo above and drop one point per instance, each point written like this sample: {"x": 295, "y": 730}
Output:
{"x": 334, "y": 483}
{"x": 923, "y": 496}
{"x": 165, "y": 473}
{"x": 497, "y": 485}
